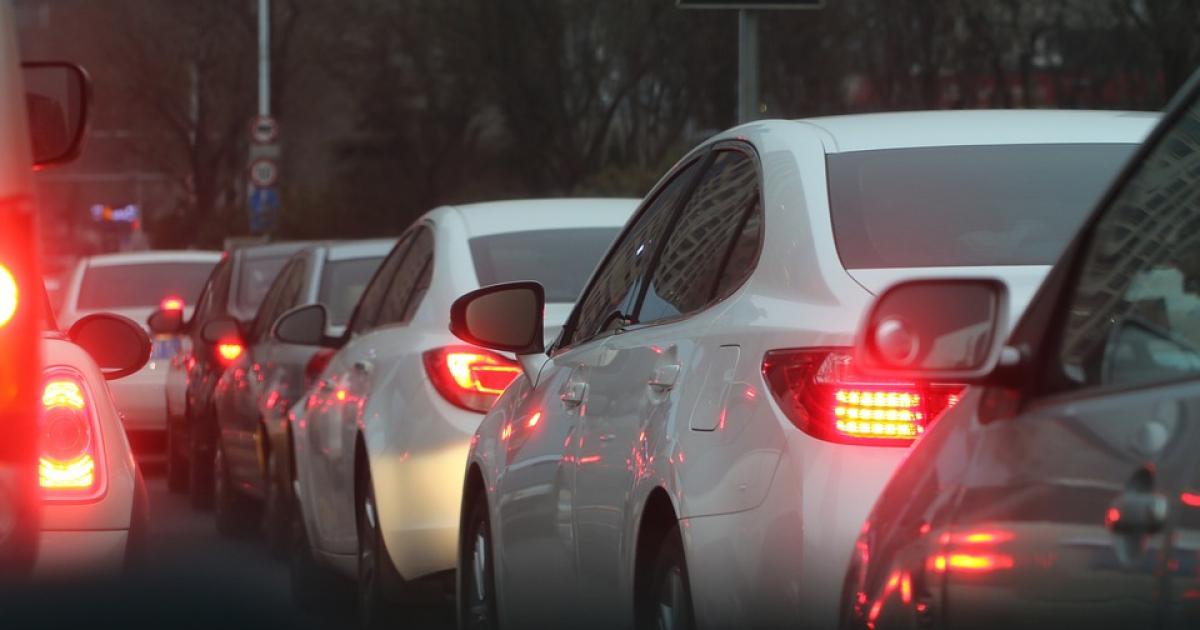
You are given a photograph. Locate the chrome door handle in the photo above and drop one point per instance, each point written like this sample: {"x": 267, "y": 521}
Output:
{"x": 363, "y": 366}
{"x": 573, "y": 394}
{"x": 664, "y": 377}
{"x": 1137, "y": 513}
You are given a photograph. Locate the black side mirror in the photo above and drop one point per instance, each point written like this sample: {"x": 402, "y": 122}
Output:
{"x": 936, "y": 330}
{"x": 166, "y": 321}
{"x": 302, "y": 325}
{"x": 117, "y": 344}
{"x": 221, "y": 330}
{"x": 506, "y": 317}
{"x": 57, "y": 96}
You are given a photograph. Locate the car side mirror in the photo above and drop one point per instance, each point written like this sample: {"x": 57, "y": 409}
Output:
{"x": 302, "y": 325}
{"x": 221, "y": 330}
{"x": 166, "y": 321}
{"x": 506, "y": 317}
{"x": 118, "y": 345}
{"x": 57, "y": 98}
{"x": 943, "y": 329}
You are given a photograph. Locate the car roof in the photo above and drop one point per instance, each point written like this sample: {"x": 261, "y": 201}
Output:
{"x": 153, "y": 257}
{"x": 370, "y": 248}
{"x": 497, "y": 217}
{"x": 273, "y": 250}
{"x": 866, "y": 132}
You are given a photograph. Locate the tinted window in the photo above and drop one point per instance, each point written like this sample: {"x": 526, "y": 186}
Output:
{"x": 342, "y": 283}
{"x": 141, "y": 285}
{"x": 405, "y": 289}
{"x": 272, "y": 304}
{"x": 965, "y": 206}
{"x": 255, "y": 278}
{"x": 1135, "y": 313}
{"x": 611, "y": 293}
{"x": 688, "y": 272}
{"x": 561, "y": 260}
{"x": 372, "y": 298}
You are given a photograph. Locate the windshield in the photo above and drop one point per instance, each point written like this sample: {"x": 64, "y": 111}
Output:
{"x": 561, "y": 260}
{"x": 967, "y": 205}
{"x": 342, "y": 282}
{"x": 142, "y": 285}
{"x": 256, "y": 277}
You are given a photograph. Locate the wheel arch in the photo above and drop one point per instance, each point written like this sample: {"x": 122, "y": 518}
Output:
{"x": 658, "y": 517}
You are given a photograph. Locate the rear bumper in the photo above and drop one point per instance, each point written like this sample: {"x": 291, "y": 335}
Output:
{"x": 72, "y": 554}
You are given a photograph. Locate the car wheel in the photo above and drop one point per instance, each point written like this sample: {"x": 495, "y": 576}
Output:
{"x": 668, "y": 601}
{"x": 276, "y": 508}
{"x": 177, "y": 471}
{"x": 200, "y": 466}
{"x": 236, "y": 513}
{"x": 477, "y": 595}
{"x": 374, "y": 609}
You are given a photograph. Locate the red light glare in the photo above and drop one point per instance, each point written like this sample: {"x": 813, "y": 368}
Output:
{"x": 533, "y": 420}
{"x": 8, "y": 295}
{"x": 1113, "y": 515}
{"x": 983, "y": 537}
{"x": 229, "y": 351}
{"x": 341, "y": 395}
{"x": 970, "y": 562}
{"x": 1190, "y": 499}
{"x": 171, "y": 304}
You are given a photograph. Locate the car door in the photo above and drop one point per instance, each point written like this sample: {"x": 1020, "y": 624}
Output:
{"x": 330, "y": 494}
{"x": 640, "y": 389}
{"x": 536, "y": 567}
{"x": 1065, "y": 514}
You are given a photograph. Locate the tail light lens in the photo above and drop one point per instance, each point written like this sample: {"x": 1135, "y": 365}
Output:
{"x": 471, "y": 378}
{"x": 69, "y": 464}
{"x": 316, "y": 364}
{"x": 229, "y": 351}
{"x": 8, "y": 295}
{"x": 821, "y": 394}
{"x": 171, "y": 303}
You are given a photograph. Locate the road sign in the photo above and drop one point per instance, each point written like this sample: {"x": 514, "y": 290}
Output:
{"x": 264, "y": 203}
{"x": 264, "y": 130}
{"x": 264, "y": 172}
{"x": 750, "y": 4}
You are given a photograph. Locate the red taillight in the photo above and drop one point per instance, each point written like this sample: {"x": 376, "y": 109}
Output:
{"x": 69, "y": 463}
{"x": 316, "y": 364}
{"x": 229, "y": 351}
{"x": 471, "y": 378}
{"x": 171, "y": 304}
{"x": 820, "y": 392}
{"x": 8, "y": 295}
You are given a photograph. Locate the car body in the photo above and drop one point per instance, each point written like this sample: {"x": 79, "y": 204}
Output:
{"x": 386, "y": 423}
{"x": 134, "y": 285}
{"x": 680, "y": 439}
{"x": 253, "y": 395}
{"x": 95, "y": 510}
{"x": 1064, "y": 490}
{"x": 234, "y": 290}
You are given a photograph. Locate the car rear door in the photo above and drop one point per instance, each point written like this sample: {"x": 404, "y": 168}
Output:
{"x": 1066, "y": 516}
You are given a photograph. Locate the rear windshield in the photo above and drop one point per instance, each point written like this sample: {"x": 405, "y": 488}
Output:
{"x": 256, "y": 277}
{"x": 141, "y": 285}
{"x": 965, "y": 206}
{"x": 342, "y": 282}
{"x": 561, "y": 260}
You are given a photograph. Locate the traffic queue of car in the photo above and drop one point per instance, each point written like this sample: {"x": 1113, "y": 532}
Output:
{"x": 875, "y": 371}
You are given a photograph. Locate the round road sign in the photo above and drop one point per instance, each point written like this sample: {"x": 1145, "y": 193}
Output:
{"x": 264, "y": 130}
{"x": 264, "y": 172}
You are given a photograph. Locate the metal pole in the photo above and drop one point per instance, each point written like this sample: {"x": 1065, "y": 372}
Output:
{"x": 748, "y": 100}
{"x": 264, "y": 57}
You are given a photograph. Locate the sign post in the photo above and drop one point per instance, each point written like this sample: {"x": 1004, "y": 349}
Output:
{"x": 263, "y": 173}
{"x": 749, "y": 106}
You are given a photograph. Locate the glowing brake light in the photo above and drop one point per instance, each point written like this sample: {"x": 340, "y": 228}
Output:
{"x": 69, "y": 453}
{"x": 171, "y": 304}
{"x": 471, "y": 378}
{"x": 820, "y": 392}
{"x": 229, "y": 351}
{"x": 8, "y": 295}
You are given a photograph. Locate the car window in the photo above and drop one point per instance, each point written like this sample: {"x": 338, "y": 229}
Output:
{"x": 689, "y": 271}
{"x": 366, "y": 312}
{"x": 256, "y": 277}
{"x": 342, "y": 284}
{"x": 406, "y": 281}
{"x": 270, "y": 307}
{"x": 1135, "y": 314}
{"x": 204, "y": 302}
{"x": 560, "y": 259}
{"x": 611, "y": 293}
{"x": 142, "y": 285}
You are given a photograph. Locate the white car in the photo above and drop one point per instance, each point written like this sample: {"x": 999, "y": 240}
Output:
{"x": 380, "y": 441}
{"x": 695, "y": 449}
{"x": 134, "y": 285}
{"x": 95, "y": 511}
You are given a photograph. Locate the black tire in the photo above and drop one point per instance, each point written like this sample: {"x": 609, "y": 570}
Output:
{"x": 277, "y": 508}
{"x": 476, "y": 577}
{"x": 200, "y": 464}
{"x": 374, "y": 566}
{"x": 177, "y": 468}
{"x": 667, "y": 602}
{"x": 237, "y": 515}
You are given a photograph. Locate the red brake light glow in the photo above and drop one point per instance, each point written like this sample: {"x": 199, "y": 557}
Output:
{"x": 229, "y": 351}
{"x": 316, "y": 364}
{"x": 171, "y": 304}
{"x": 8, "y": 295}
{"x": 69, "y": 454}
{"x": 821, "y": 393}
{"x": 471, "y": 378}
